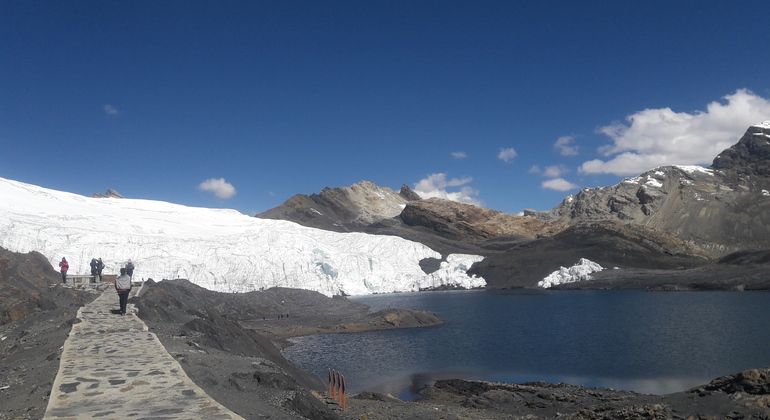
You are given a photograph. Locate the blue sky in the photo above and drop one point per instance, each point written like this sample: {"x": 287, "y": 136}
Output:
{"x": 285, "y": 97}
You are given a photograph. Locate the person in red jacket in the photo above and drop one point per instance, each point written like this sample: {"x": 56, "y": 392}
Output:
{"x": 64, "y": 266}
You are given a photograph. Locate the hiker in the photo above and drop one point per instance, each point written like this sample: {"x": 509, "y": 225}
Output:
{"x": 93, "y": 268}
{"x": 123, "y": 287}
{"x": 64, "y": 266}
{"x": 99, "y": 267}
{"x": 130, "y": 269}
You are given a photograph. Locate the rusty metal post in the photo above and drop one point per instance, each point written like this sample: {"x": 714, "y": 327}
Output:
{"x": 344, "y": 397}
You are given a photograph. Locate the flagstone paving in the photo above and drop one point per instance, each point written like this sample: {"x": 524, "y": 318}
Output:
{"x": 113, "y": 367}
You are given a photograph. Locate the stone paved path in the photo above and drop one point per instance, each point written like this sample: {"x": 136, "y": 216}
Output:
{"x": 112, "y": 367}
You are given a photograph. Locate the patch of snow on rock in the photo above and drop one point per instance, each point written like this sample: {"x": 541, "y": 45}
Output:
{"x": 578, "y": 272}
{"x": 218, "y": 249}
{"x": 690, "y": 169}
{"x": 316, "y": 211}
{"x": 763, "y": 124}
{"x": 653, "y": 183}
{"x": 634, "y": 180}
{"x": 766, "y": 193}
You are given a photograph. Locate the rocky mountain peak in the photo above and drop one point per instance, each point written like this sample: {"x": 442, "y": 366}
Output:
{"x": 750, "y": 156}
{"x": 409, "y": 193}
{"x": 341, "y": 208}
{"x": 719, "y": 210}
{"x": 110, "y": 193}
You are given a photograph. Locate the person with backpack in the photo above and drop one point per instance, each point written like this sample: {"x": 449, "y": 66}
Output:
{"x": 64, "y": 266}
{"x": 123, "y": 287}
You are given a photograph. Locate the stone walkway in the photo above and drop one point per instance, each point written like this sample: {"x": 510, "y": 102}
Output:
{"x": 112, "y": 367}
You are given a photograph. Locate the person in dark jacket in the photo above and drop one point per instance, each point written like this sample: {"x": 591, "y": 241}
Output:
{"x": 130, "y": 269}
{"x": 123, "y": 287}
{"x": 64, "y": 266}
{"x": 99, "y": 268}
{"x": 93, "y": 268}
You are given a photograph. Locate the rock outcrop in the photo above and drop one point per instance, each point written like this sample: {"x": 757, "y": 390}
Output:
{"x": 344, "y": 209}
{"x": 469, "y": 223}
{"x": 110, "y": 193}
{"x": 27, "y": 286}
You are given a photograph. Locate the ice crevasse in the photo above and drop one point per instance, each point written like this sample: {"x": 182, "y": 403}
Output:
{"x": 218, "y": 249}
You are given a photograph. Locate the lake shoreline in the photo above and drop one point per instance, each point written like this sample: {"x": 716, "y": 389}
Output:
{"x": 232, "y": 373}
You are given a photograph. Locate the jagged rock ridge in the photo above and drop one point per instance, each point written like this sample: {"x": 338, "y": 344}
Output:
{"x": 110, "y": 193}
{"x": 343, "y": 209}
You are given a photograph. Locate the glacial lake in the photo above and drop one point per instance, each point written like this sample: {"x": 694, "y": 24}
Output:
{"x": 649, "y": 342}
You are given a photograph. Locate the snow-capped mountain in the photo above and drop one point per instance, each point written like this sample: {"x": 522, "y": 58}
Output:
{"x": 218, "y": 249}
{"x": 717, "y": 210}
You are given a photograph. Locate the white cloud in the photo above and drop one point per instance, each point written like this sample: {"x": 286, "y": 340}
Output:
{"x": 110, "y": 109}
{"x": 558, "y": 184}
{"x": 565, "y": 146}
{"x": 459, "y": 155}
{"x": 219, "y": 187}
{"x": 554, "y": 171}
{"x": 507, "y": 154}
{"x": 436, "y": 185}
{"x": 655, "y": 137}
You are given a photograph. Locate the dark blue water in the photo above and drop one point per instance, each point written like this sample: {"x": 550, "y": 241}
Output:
{"x": 652, "y": 342}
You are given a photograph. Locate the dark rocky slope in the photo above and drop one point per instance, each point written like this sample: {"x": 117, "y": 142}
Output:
{"x": 745, "y": 395}
{"x": 524, "y": 264}
{"x": 36, "y": 314}
{"x": 229, "y": 343}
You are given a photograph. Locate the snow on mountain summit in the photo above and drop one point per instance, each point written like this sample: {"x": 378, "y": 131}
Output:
{"x": 218, "y": 249}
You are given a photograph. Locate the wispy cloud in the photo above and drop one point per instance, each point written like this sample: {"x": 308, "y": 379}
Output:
{"x": 554, "y": 171}
{"x": 660, "y": 136}
{"x": 219, "y": 187}
{"x": 507, "y": 154}
{"x": 110, "y": 109}
{"x": 558, "y": 184}
{"x": 437, "y": 185}
{"x": 565, "y": 146}
{"x": 459, "y": 155}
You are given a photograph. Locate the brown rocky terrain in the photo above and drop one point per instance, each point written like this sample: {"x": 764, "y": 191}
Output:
{"x": 466, "y": 222}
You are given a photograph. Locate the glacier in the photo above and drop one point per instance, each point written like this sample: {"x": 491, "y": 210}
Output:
{"x": 578, "y": 272}
{"x": 219, "y": 249}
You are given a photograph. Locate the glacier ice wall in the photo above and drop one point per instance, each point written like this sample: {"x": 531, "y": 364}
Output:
{"x": 217, "y": 249}
{"x": 578, "y": 272}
